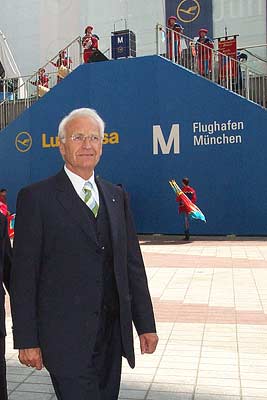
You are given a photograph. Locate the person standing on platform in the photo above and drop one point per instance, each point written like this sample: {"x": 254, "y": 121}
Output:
{"x": 191, "y": 194}
{"x": 63, "y": 64}
{"x": 5, "y": 266}
{"x": 204, "y": 46}
{"x": 89, "y": 43}
{"x": 41, "y": 83}
{"x": 43, "y": 78}
{"x": 171, "y": 37}
{"x": 179, "y": 42}
{"x": 78, "y": 279}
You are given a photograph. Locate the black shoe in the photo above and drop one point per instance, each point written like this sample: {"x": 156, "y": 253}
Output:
{"x": 187, "y": 236}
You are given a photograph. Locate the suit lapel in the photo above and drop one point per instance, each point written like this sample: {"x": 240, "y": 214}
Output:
{"x": 69, "y": 199}
{"x": 112, "y": 206}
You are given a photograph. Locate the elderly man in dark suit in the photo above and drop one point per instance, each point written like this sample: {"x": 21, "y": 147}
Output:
{"x": 5, "y": 262}
{"x": 78, "y": 280}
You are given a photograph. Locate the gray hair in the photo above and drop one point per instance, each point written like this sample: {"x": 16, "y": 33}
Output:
{"x": 80, "y": 112}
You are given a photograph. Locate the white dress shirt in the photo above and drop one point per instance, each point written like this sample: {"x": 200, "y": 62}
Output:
{"x": 78, "y": 184}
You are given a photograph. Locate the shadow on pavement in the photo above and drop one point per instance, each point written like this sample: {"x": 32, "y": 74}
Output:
{"x": 162, "y": 239}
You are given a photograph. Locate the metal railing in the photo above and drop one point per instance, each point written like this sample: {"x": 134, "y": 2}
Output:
{"x": 256, "y": 57}
{"x": 204, "y": 60}
{"x": 17, "y": 94}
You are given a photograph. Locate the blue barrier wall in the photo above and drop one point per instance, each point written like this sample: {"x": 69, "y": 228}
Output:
{"x": 162, "y": 122}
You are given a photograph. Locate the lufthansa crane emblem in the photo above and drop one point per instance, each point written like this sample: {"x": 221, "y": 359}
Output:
{"x": 188, "y": 10}
{"x": 23, "y": 142}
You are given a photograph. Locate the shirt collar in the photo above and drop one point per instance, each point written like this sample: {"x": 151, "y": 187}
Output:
{"x": 78, "y": 182}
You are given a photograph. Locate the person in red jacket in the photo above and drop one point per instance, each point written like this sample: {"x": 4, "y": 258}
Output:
{"x": 89, "y": 43}
{"x": 3, "y": 196}
{"x": 42, "y": 82}
{"x": 191, "y": 194}
{"x": 3, "y": 202}
{"x": 43, "y": 79}
{"x": 204, "y": 46}
{"x": 63, "y": 64}
{"x": 171, "y": 36}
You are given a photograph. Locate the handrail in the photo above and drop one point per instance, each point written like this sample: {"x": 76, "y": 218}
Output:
{"x": 228, "y": 72}
{"x": 35, "y": 74}
{"x": 16, "y": 95}
{"x": 210, "y": 63}
{"x": 77, "y": 39}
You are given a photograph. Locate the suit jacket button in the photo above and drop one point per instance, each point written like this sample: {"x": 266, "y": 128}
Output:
{"x": 103, "y": 248}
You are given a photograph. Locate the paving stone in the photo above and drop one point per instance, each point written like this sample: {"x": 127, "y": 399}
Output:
{"x": 210, "y": 300}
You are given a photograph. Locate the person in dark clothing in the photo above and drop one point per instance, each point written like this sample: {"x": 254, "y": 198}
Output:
{"x": 5, "y": 266}
{"x": 2, "y": 77}
{"x": 78, "y": 279}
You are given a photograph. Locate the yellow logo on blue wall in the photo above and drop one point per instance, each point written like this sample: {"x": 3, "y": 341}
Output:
{"x": 53, "y": 141}
{"x": 23, "y": 142}
{"x": 188, "y": 10}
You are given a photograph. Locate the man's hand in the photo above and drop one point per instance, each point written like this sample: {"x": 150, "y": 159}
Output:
{"x": 148, "y": 342}
{"x": 31, "y": 357}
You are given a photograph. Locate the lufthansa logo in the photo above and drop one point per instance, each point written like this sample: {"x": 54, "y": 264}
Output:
{"x": 188, "y": 10}
{"x": 23, "y": 142}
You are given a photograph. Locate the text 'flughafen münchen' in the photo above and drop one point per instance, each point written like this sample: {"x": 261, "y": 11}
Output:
{"x": 217, "y": 132}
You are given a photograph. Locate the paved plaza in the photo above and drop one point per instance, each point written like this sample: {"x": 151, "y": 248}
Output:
{"x": 210, "y": 299}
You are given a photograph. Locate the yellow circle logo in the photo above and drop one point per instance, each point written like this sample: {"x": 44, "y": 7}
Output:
{"x": 23, "y": 142}
{"x": 188, "y": 10}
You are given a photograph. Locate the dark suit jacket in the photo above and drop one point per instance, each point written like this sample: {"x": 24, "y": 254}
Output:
{"x": 5, "y": 263}
{"x": 56, "y": 279}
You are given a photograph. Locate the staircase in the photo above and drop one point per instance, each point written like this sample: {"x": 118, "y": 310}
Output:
{"x": 237, "y": 76}
{"x": 20, "y": 94}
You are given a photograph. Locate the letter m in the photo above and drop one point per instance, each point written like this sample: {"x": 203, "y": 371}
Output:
{"x": 120, "y": 39}
{"x": 159, "y": 141}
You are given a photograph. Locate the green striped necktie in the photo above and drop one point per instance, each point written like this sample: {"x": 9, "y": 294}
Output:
{"x": 89, "y": 198}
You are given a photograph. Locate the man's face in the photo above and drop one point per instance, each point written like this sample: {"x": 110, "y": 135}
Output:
{"x": 81, "y": 157}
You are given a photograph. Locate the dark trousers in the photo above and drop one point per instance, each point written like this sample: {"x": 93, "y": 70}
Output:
{"x": 186, "y": 225}
{"x": 3, "y": 384}
{"x": 101, "y": 381}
